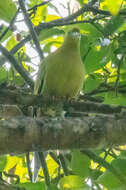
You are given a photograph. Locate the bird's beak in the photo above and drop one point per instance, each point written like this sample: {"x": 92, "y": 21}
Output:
{"x": 76, "y": 34}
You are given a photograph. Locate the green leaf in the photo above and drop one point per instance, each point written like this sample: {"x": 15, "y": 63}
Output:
{"x": 44, "y": 34}
{"x": 3, "y": 75}
{"x": 120, "y": 164}
{"x": 18, "y": 80}
{"x": 7, "y": 10}
{"x": 113, "y": 25}
{"x": 2, "y": 29}
{"x": 111, "y": 98}
{"x": 40, "y": 15}
{"x": 97, "y": 58}
{"x": 48, "y": 46}
{"x": 95, "y": 173}
{"x": 108, "y": 158}
{"x": 11, "y": 43}
{"x": 3, "y": 161}
{"x": 80, "y": 164}
{"x": 109, "y": 181}
{"x": 123, "y": 154}
{"x": 72, "y": 182}
{"x": 32, "y": 3}
{"x": 33, "y": 186}
{"x": 91, "y": 31}
{"x": 52, "y": 187}
{"x": 113, "y": 6}
{"x": 92, "y": 82}
{"x": 84, "y": 45}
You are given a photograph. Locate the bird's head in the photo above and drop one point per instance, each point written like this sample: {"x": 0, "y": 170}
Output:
{"x": 73, "y": 37}
{"x": 74, "y": 33}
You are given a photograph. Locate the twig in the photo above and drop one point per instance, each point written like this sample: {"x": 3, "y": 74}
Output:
{"x": 102, "y": 162}
{"x": 10, "y": 175}
{"x": 44, "y": 167}
{"x": 15, "y": 49}
{"x": 39, "y": 5}
{"x": 121, "y": 89}
{"x": 20, "y": 44}
{"x": 28, "y": 166}
{"x": 63, "y": 21}
{"x": 63, "y": 164}
{"x": 17, "y": 66}
{"x": 31, "y": 28}
{"x": 54, "y": 24}
{"x": 54, "y": 157}
{"x": 58, "y": 22}
{"x": 10, "y": 25}
{"x": 85, "y": 8}
{"x": 118, "y": 74}
{"x": 46, "y": 26}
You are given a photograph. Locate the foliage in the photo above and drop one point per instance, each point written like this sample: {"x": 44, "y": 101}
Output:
{"x": 103, "y": 52}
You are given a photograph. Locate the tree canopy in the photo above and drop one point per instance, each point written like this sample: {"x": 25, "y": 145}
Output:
{"x": 93, "y": 131}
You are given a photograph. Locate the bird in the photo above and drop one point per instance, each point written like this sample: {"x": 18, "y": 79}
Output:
{"x": 61, "y": 74}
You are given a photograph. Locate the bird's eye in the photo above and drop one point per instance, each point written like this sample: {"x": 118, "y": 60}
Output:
{"x": 76, "y": 33}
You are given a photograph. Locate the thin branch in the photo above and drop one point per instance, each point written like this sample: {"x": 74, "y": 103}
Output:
{"x": 44, "y": 167}
{"x": 107, "y": 88}
{"x": 64, "y": 23}
{"x": 102, "y": 12}
{"x": 118, "y": 74}
{"x": 105, "y": 164}
{"x": 46, "y": 26}
{"x": 31, "y": 28}
{"x": 63, "y": 164}
{"x": 61, "y": 22}
{"x": 99, "y": 11}
{"x": 15, "y": 49}
{"x": 17, "y": 66}
{"x": 28, "y": 166}
{"x": 20, "y": 98}
{"x": 20, "y": 44}
{"x": 58, "y": 22}
{"x": 85, "y": 8}
{"x": 39, "y": 5}
{"x": 10, "y": 25}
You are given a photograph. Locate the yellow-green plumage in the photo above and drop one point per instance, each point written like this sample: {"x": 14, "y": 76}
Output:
{"x": 61, "y": 74}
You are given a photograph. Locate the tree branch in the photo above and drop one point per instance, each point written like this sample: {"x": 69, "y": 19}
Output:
{"x": 17, "y": 66}
{"x": 31, "y": 28}
{"x": 10, "y": 25}
{"x": 39, "y": 5}
{"x": 59, "y": 22}
{"x": 18, "y": 97}
{"x": 24, "y": 134}
{"x": 116, "y": 172}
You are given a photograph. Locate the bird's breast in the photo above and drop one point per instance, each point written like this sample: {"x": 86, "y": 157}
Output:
{"x": 64, "y": 78}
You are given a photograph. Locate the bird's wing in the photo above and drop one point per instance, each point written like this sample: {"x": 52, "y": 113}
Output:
{"x": 40, "y": 78}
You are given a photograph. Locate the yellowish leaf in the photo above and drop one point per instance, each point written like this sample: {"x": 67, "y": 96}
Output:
{"x": 111, "y": 5}
{"x": 52, "y": 17}
{"x": 40, "y": 15}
